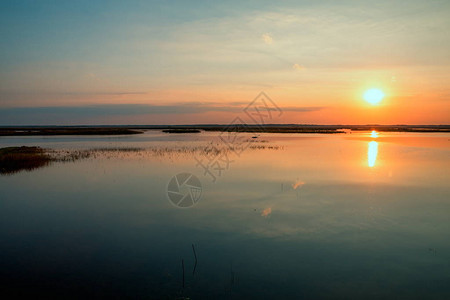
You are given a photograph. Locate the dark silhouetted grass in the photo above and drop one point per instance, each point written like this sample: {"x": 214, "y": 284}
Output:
{"x": 15, "y": 159}
{"x": 250, "y": 128}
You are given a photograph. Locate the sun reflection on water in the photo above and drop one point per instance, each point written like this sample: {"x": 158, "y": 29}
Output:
{"x": 374, "y": 134}
{"x": 372, "y": 153}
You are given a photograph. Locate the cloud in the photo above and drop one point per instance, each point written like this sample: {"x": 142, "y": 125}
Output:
{"x": 63, "y": 114}
{"x": 301, "y": 108}
{"x": 138, "y": 109}
{"x": 298, "y": 67}
{"x": 266, "y": 212}
{"x": 119, "y": 109}
{"x": 267, "y": 38}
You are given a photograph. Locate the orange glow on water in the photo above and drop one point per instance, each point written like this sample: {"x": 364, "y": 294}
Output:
{"x": 372, "y": 153}
{"x": 374, "y": 134}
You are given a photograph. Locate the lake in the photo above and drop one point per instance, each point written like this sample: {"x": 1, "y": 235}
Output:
{"x": 212, "y": 215}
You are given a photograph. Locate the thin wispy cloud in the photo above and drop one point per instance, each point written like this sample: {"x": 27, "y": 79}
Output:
{"x": 298, "y": 67}
{"x": 266, "y": 212}
{"x": 267, "y": 38}
{"x": 21, "y": 115}
{"x": 134, "y": 109}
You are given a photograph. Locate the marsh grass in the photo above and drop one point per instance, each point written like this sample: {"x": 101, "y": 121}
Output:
{"x": 172, "y": 153}
{"x": 15, "y": 159}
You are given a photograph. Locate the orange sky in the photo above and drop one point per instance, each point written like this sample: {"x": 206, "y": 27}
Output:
{"x": 102, "y": 65}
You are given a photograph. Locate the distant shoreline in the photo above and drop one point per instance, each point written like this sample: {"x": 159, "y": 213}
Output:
{"x": 33, "y": 131}
{"x": 269, "y": 128}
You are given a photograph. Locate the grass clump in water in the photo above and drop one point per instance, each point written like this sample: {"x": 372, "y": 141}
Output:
{"x": 15, "y": 159}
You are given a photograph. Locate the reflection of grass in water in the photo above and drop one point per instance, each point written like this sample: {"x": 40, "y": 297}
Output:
{"x": 15, "y": 159}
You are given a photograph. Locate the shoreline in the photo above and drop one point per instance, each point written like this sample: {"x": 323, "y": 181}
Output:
{"x": 179, "y": 129}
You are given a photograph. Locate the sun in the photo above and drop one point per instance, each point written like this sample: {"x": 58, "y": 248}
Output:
{"x": 373, "y": 96}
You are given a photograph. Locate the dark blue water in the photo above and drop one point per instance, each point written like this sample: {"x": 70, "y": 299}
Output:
{"x": 104, "y": 227}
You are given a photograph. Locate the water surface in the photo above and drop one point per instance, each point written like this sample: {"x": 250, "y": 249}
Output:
{"x": 291, "y": 217}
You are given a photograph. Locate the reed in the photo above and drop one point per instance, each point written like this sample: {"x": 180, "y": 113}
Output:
{"x": 182, "y": 267}
{"x": 15, "y": 159}
{"x": 195, "y": 257}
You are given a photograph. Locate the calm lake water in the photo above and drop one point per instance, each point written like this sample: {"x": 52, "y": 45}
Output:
{"x": 280, "y": 216}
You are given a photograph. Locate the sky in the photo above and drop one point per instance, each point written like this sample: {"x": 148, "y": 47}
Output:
{"x": 202, "y": 62}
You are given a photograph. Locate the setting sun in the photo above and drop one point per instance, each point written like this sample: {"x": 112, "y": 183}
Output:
{"x": 373, "y": 96}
